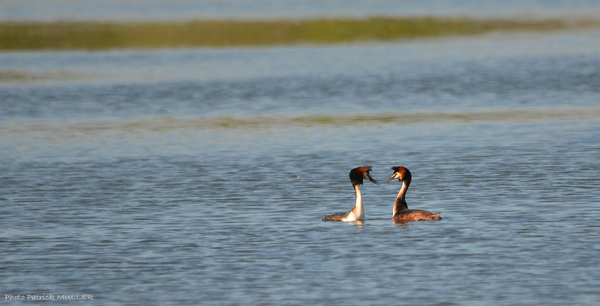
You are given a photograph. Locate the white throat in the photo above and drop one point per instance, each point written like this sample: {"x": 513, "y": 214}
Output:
{"x": 357, "y": 213}
{"x": 400, "y": 199}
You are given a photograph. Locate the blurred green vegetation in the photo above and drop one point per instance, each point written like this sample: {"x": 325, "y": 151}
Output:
{"x": 11, "y": 76}
{"x": 231, "y": 33}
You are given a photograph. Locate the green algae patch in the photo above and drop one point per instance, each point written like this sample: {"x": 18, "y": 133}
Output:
{"x": 276, "y": 124}
{"x": 17, "y": 77}
{"x": 13, "y": 76}
{"x": 66, "y": 35}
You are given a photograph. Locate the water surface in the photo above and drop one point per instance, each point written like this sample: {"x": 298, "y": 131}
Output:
{"x": 199, "y": 176}
{"x": 243, "y": 9}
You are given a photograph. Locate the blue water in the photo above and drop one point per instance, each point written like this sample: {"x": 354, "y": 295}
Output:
{"x": 243, "y": 9}
{"x": 199, "y": 176}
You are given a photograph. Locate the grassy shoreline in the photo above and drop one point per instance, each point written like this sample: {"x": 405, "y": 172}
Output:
{"x": 74, "y": 35}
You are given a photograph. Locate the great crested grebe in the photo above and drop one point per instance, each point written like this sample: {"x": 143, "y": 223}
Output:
{"x": 401, "y": 212}
{"x": 357, "y": 213}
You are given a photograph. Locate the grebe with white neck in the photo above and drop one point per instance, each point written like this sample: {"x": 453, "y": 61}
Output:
{"x": 357, "y": 175}
{"x": 401, "y": 213}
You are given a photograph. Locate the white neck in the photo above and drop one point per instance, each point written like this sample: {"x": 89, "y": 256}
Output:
{"x": 402, "y": 192}
{"x": 400, "y": 203}
{"x": 357, "y": 213}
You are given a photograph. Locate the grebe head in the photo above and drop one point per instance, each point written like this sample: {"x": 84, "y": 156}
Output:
{"x": 358, "y": 174}
{"x": 402, "y": 174}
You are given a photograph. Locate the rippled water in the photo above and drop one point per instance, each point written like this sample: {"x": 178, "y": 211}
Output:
{"x": 200, "y": 176}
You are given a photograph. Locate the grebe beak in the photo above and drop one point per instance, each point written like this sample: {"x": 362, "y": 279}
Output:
{"x": 391, "y": 178}
{"x": 372, "y": 179}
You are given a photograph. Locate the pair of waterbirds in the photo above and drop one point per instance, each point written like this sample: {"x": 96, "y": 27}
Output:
{"x": 401, "y": 213}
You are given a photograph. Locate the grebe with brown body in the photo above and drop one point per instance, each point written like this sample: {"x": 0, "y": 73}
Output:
{"x": 357, "y": 175}
{"x": 401, "y": 213}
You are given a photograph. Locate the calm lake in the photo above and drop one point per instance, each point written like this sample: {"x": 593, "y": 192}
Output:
{"x": 199, "y": 175}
